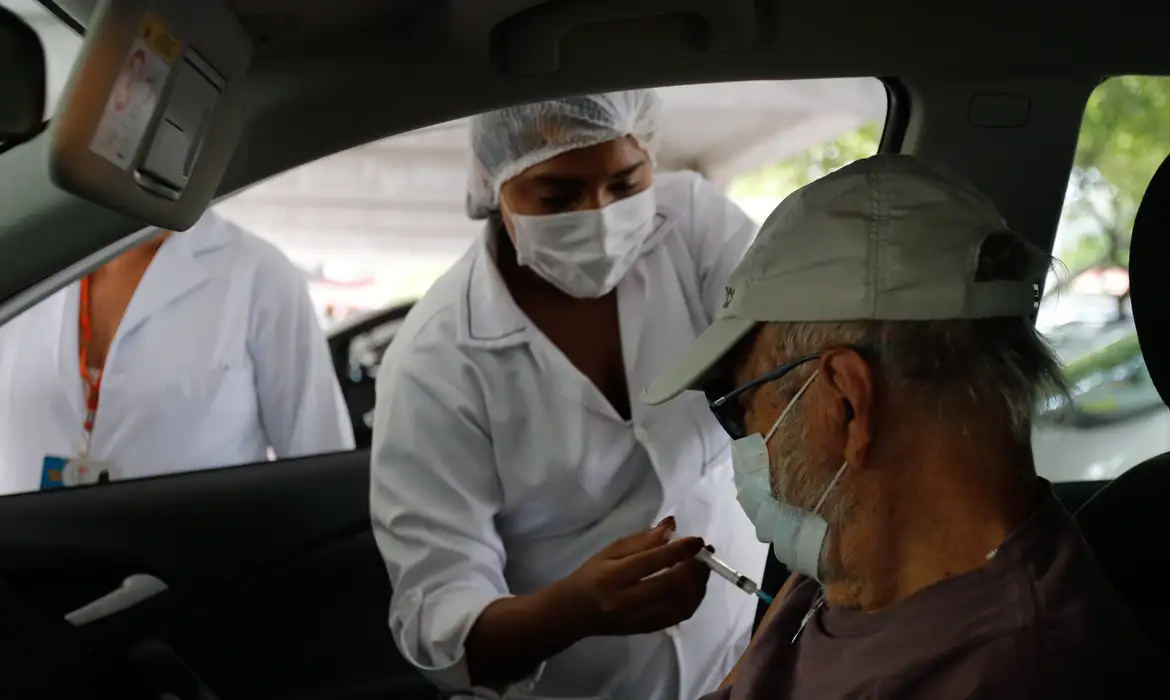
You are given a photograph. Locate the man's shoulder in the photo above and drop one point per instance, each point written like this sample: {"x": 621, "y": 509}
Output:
{"x": 1061, "y": 630}
{"x": 1051, "y": 663}
{"x": 1073, "y": 632}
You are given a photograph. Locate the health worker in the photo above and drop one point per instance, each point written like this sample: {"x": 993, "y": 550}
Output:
{"x": 516, "y": 483}
{"x": 196, "y": 349}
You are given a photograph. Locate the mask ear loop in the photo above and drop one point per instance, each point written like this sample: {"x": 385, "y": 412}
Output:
{"x": 829, "y": 488}
{"x": 784, "y": 413}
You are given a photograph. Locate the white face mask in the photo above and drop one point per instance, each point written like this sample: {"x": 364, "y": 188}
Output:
{"x": 586, "y": 253}
{"x": 797, "y": 536}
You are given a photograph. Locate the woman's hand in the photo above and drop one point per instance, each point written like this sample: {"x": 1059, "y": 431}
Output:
{"x": 640, "y": 583}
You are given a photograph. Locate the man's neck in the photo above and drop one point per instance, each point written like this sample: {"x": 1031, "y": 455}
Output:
{"x": 942, "y": 519}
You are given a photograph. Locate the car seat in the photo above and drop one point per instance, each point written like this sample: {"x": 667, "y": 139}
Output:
{"x": 1127, "y": 523}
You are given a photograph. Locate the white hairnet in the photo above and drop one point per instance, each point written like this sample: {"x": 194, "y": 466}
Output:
{"x": 506, "y": 142}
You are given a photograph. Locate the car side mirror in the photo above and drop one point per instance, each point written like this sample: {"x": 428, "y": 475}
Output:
{"x": 22, "y": 79}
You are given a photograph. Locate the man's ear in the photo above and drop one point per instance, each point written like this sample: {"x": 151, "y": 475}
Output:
{"x": 850, "y": 377}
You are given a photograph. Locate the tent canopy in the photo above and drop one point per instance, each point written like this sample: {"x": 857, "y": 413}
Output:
{"x": 404, "y": 196}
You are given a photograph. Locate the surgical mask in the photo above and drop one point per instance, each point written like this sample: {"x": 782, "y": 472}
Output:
{"x": 797, "y": 536}
{"x": 586, "y": 253}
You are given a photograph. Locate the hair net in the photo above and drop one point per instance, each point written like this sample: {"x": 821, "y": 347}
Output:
{"x": 506, "y": 142}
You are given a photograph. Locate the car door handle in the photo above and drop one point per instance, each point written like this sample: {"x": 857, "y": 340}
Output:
{"x": 135, "y": 589}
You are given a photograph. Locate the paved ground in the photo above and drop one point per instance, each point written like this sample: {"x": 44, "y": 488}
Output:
{"x": 1089, "y": 454}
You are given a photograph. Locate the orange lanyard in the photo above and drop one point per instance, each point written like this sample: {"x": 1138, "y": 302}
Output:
{"x": 93, "y": 385}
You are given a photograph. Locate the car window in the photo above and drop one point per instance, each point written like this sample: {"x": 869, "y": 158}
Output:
{"x": 359, "y": 236}
{"x": 1114, "y": 417}
{"x": 60, "y": 41}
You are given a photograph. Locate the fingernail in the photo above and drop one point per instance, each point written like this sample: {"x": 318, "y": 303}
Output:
{"x": 667, "y": 522}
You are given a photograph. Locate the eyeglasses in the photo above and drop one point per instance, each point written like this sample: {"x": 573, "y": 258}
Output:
{"x": 726, "y": 406}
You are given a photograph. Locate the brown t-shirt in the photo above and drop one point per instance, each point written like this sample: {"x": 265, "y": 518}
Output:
{"x": 1040, "y": 620}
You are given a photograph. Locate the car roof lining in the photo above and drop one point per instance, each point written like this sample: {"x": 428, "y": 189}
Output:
{"x": 310, "y": 97}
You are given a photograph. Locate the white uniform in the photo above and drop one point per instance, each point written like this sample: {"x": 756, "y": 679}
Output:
{"x": 218, "y": 357}
{"x": 499, "y": 468}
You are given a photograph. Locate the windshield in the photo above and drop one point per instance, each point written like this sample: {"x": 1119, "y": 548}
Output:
{"x": 61, "y": 43}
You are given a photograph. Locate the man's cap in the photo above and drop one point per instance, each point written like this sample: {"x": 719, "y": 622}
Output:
{"x": 887, "y": 238}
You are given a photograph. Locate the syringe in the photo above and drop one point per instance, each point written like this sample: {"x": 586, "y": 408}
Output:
{"x": 737, "y": 579}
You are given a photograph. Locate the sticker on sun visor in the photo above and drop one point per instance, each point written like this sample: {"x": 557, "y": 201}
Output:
{"x": 136, "y": 92}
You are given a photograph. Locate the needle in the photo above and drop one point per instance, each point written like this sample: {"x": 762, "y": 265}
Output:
{"x": 737, "y": 579}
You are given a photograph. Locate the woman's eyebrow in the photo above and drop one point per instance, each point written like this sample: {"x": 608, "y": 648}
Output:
{"x": 626, "y": 172}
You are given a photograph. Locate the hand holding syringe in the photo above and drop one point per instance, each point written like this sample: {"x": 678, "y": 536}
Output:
{"x": 724, "y": 571}
{"x": 737, "y": 579}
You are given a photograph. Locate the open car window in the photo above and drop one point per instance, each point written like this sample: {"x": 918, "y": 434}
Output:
{"x": 1113, "y": 417}
{"x": 362, "y": 234}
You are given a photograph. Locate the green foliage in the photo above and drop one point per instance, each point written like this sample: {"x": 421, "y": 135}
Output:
{"x": 1103, "y": 359}
{"x": 1125, "y": 132}
{"x": 1124, "y": 136}
{"x": 782, "y": 178}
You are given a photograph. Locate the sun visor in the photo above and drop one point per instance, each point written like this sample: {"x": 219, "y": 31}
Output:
{"x": 153, "y": 108}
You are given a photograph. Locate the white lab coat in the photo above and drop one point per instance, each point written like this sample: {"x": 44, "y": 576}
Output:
{"x": 218, "y": 358}
{"x": 498, "y": 468}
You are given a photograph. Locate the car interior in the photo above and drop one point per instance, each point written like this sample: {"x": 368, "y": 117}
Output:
{"x": 263, "y": 581}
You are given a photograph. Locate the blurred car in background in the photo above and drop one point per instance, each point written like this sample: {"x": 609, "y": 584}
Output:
{"x": 338, "y": 297}
{"x": 356, "y": 345}
{"x": 1112, "y": 418}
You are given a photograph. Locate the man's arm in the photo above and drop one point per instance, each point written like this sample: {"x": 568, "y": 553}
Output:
{"x": 773, "y": 609}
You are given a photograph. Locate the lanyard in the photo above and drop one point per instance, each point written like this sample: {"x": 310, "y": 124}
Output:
{"x": 93, "y": 385}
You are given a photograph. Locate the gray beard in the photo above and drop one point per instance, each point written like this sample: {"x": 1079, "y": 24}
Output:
{"x": 800, "y": 479}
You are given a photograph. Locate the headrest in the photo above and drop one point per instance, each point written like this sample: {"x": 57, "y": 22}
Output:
{"x": 1132, "y": 509}
{"x": 1149, "y": 252}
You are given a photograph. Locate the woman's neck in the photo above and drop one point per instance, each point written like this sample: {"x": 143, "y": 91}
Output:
{"x": 134, "y": 261}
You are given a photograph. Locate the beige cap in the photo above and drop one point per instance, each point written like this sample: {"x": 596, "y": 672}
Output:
{"x": 886, "y": 238}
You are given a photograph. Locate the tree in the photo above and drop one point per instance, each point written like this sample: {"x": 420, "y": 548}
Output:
{"x": 781, "y": 179}
{"x": 1125, "y": 134}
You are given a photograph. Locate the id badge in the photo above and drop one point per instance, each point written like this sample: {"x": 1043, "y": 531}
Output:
{"x": 59, "y": 472}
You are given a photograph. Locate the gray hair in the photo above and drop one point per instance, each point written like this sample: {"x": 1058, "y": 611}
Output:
{"x": 953, "y": 367}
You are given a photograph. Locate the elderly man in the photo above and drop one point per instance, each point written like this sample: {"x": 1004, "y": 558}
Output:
{"x": 877, "y": 367}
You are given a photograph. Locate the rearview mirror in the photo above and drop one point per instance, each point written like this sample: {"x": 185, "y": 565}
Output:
{"x": 22, "y": 78}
